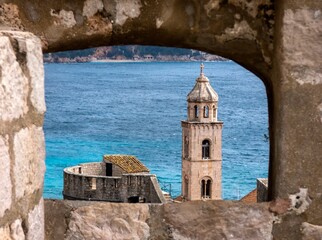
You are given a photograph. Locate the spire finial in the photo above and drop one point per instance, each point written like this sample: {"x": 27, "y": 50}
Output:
{"x": 201, "y": 69}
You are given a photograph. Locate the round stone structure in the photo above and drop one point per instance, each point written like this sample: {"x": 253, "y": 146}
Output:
{"x": 118, "y": 178}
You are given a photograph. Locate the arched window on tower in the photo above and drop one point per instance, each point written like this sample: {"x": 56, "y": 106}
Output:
{"x": 206, "y": 188}
{"x": 206, "y": 112}
{"x": 214, "y": 110}
{"x": 196, "y": 111}
{"x": 205, "y": 149}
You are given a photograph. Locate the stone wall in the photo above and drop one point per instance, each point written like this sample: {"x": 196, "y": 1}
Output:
{"x": 22, "y": 147}
{"x": 88, "y": 186}
{"x": 96, "y": 168}
{"x": 261, "y": 184}
{"x": 189, "y": 220}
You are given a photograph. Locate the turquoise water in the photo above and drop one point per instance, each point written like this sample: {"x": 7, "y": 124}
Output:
{"x": 136, "y": 108}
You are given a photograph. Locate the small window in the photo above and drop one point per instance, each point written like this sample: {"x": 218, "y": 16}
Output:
{"x": 186, "y": 186}
{"x": 109, "y": 169}
{"x": 206, "y": 189}
{"x": 186, "y": 147}
{"x": 206, "y": 112}
{"x": 205, "y": 149}
{"x": 214, "y": 112}
{"x": 196, "y": 111}
{"x": 93, "y": 183}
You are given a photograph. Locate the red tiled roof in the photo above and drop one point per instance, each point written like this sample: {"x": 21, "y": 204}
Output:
{"x": 128, "y": 163}
{"x": 250, "y": 197}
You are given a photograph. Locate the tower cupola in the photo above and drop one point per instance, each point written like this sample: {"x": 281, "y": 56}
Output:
{"x": 202, "y": 100}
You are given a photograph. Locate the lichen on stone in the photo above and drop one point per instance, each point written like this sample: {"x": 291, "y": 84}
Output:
{"x": 65, "y": 18}
{"x": 300, "y": 201}
{"x": 127, "y": 9}
{"x": 91, "y": 7}
{"x": 241, "y": 30}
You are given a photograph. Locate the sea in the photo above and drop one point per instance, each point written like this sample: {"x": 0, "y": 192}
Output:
{"x": 136, "y": 108}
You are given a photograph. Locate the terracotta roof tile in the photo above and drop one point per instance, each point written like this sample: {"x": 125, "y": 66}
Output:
{"x": 128, "y": 163}
{"x": 250, "y": 197}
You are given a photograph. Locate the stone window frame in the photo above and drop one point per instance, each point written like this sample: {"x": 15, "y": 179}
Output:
{"x": 206, "y": 111}
{"x": 204, "y": 187}
{"x": 196, "y": 111}
{"x": 209, "y": 149}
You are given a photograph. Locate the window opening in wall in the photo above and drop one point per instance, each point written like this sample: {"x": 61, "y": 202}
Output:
{"x": 186, "y": 147}
{"x": 147, "y": 112}
{"x": 109, "y": 169}
{"x": 205, "y": 149}
{"x": 196, "y": 111}
{"x": 206, "y": 188}
{"x": 186, "y": 186}
{"x": 206, "y": 112}
{"x": 93, "y": 183}
{"x": 134, "y": 199}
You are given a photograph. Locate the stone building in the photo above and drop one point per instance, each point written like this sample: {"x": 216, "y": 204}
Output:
{"x": 118, "y": 178}
{"x": 201, "y": 143}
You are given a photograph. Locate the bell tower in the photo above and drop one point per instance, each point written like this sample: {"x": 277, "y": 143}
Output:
{"x": 201, "y": 143}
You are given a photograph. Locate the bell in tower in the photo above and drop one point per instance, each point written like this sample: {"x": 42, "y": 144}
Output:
{"x": 201, "y": 143}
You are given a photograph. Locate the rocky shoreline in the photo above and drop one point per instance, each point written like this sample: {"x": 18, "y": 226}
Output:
{"x": 131, "y": 54}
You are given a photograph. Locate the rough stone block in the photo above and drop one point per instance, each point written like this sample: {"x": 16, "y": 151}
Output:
{"x": 29, "y": 167}
{"x": 311, "y": 231}
{"x": 5, "y": 181}
{"x": 16, "y": 230}
{"x": 190, "y": 220}
{"x": 36, "y": 70}
{"x": 13, "y": 83}
{"x": 219, "y": 220}
{"x": 110, "y": 221}
{"x": 36, "y": 218}
{"x": 5, "y": 233}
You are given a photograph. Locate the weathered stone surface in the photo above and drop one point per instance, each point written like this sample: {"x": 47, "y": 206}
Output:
{"x": 302, "y": 28}
{"x": 218, "y": 220}
{"x": 64, "y": 17}
{"x": 9, "y": 17}
{"x": 5, "y": 233}
{"x": 300, "y": 201}
{"x": 190, "y": 220}
{"x": 91, "y": 7}
{"x": 311, "y": 232}
{"x": 5, "y": 181}
{"x": 109, "y": 221}
{"x": 29, "y": 167}
{"x": 16, "y": 230}
{"x": 36, "y": 71}
{"x": 20, "y": 58}
{"x": 222, "y": 27}
{"x": 36, "y": 229}
{"x": 13, "y": 83}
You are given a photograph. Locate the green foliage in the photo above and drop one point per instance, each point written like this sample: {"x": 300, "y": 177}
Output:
{"x": 127, "y": 51}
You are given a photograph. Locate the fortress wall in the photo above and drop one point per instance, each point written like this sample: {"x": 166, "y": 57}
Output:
{"x": 189, "y": 220}
{"x": 22, "y": 145}
{"x": 97, "y": 168}
{"x": 114, "y": 189}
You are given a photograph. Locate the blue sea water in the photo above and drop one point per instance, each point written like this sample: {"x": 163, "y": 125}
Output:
{"x": 136, "y": 108}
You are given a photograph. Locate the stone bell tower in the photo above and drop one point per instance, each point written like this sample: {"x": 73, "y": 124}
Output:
{"x": 201, "y": 143}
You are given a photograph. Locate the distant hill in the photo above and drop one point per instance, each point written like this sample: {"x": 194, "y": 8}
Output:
{"x": 131, "y": 53}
